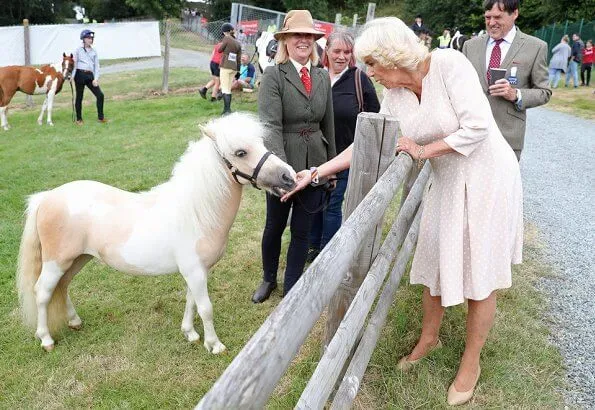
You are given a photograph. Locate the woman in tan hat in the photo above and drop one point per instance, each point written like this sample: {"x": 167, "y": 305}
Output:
{"x": 295, "y": 101}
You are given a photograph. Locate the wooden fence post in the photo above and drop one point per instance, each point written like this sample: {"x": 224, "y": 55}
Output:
{"x": 375, "y": 141}
{"x": 355, "y": 372}
{"x": 27, "y": 43}
{"x": 165, "y": 83}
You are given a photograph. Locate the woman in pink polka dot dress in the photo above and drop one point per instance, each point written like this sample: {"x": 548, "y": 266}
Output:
{"x": 471, "y": 229}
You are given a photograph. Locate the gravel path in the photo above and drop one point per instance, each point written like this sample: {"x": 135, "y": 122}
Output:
{"x": 558, "y": 169}
{"x": 177, "y": 58}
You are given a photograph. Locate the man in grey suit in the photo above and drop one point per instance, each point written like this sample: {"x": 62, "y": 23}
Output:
{"x": 523, "y": 56}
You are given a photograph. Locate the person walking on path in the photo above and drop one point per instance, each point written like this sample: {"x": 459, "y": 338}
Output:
{"x": 86, "y": 74}
{"x": 349, "y": 85}
{"x": 231, "y": 50}
{"x": 295, "y": 102}
{"x": 525, "y": 59}
{"x": 559, "y": 61}
{"x": 575, "y": 60}
{"x": 587, "y": 63}
{"x": 471, "y": 227}
{"x": 214, "y": 82}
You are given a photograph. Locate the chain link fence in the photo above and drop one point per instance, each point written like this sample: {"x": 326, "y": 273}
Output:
{"x": 553, "y": 33}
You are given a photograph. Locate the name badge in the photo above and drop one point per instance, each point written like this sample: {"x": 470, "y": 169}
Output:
{"x": 232, "y": 57}
{"x": 513, "y": 80}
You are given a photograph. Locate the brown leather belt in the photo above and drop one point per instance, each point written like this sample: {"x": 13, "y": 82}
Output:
{"x": 85, "y": 71}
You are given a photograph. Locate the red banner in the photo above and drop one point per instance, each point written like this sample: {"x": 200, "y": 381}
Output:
{"x": 249, "y": 27}
{"x": 325, "y": 27}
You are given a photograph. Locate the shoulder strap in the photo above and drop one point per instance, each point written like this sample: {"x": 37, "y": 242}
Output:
{"x": 359, "y": 93}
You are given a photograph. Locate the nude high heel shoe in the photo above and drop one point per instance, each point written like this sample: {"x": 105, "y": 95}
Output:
{"x": 456, "y": 398}
{"x": 406, "y": 365}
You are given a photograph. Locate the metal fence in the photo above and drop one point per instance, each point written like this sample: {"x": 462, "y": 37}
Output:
{"x": 553, "y": 33}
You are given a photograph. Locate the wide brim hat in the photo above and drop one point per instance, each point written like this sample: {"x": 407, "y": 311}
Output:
{"x": 298, "y": 21}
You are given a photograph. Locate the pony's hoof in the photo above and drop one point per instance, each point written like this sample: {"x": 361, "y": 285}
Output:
{"x": 51, "y": 124}
{"x": 5, "y": 128}
{"x": 192, "y": 336}
{"x": 78, "y": 326}
{"x": 48, "y": 348}
{"x": 216, "y": 347}
{"x": 39, "y": 122}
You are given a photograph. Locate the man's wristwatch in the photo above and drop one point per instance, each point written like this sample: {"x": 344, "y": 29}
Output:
{"x": 314, "y": 175}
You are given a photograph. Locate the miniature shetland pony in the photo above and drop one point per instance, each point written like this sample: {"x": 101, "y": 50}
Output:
{"x": 181, "y": 226}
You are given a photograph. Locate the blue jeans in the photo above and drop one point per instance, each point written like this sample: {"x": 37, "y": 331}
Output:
{"x": 554, "y": 77}
{"x": 572, "y": 71}
{"x": 326, "y": 223}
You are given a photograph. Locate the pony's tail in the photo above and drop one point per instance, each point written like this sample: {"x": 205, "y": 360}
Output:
{"x": 29, "y": 269}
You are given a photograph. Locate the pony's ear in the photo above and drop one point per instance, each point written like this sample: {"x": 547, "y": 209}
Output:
{"x": 64, "y": 55}
{"x": 207, "y": 131}
{"x": 71, "y": 56}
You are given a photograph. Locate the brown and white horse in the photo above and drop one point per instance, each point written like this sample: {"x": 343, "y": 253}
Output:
{"x": 181, "y": 226}
{"x": 46, "y": 80}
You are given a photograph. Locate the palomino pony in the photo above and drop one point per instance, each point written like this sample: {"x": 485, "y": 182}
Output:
{"x": 46, "y": 80}
{"x": 181, "y": 226}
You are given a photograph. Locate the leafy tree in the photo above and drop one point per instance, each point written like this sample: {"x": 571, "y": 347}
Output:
{"x": 318, "y": 8}
{"x": 37, "y": 11}
{"x": 156, "y": 8}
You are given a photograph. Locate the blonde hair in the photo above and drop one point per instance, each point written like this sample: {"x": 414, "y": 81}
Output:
{"x": 390, "y": 43}
{"x": 283, "y": 55}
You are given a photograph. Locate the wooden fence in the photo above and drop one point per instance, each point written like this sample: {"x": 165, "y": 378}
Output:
{"x": 347, "y": 276}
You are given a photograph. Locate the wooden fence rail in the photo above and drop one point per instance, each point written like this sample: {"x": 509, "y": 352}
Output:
{"x": 254, "y": 373}
{"x": 337, "y": 352}
{"x": 351, "y": 380}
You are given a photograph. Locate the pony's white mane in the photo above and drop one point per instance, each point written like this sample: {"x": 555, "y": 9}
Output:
{"x": 200, "y": 182}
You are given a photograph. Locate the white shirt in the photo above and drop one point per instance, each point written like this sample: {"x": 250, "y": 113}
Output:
{"x": 504, "y": 47}
{"x": 298, "y": 66}
{"x": 338, "y": 76}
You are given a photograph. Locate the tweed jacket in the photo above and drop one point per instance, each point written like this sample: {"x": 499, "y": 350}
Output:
{"x": 301, "y": 127}
{"x": 529, "y": 55}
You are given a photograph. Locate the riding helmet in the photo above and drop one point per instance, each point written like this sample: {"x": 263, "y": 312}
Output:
{"x": 87, "y": 33}
{"x": 227, "y": 27}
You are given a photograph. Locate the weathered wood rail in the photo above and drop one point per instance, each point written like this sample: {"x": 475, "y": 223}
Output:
{"x": 347, "y": 277}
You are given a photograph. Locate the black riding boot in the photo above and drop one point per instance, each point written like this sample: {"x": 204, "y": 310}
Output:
{"x": 226, "y": 104}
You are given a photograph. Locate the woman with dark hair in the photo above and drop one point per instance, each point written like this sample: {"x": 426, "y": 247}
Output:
{"x": 353, "y": 92}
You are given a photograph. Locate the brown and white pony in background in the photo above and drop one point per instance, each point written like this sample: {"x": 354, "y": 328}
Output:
{"x": 181, "y": 226}
{"x": 46, "y": 80}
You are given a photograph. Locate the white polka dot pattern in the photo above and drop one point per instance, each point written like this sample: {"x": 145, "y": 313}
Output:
{"x": 472, "y": 224}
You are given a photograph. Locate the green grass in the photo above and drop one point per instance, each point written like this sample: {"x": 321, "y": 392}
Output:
{"x": 576, "y": 101}
{"x": 131, "y": 353}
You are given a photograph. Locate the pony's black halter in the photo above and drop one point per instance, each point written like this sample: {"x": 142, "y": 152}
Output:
{"x": 237, "y": 173}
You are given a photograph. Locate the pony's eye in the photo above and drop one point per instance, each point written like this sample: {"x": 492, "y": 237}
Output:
{"x": 241, "y": 153}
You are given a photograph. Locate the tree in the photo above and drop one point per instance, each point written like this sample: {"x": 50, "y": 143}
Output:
{"x": 36, "y": 11}
{"x": 318, "y": 8}
{"x": 157, "y": 8}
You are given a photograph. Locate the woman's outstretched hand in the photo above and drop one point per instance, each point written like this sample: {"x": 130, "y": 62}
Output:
{"x": 302, "y": 179}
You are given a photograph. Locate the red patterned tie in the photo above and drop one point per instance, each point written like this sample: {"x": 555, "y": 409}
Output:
{"x": 495, "y": 57}
{"x": 306, "y": 80}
